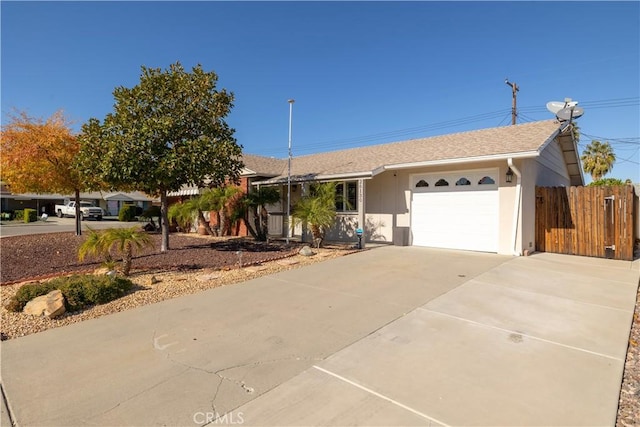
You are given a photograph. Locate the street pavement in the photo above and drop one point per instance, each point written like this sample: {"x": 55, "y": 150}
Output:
{"x": 56, "y": 225}
{"x": 389, "y": 336}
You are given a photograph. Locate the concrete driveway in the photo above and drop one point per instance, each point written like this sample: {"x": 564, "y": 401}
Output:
{"x": 390, "y": 336}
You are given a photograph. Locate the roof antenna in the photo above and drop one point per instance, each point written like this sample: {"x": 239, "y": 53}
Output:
{"x": 514, "y": 90}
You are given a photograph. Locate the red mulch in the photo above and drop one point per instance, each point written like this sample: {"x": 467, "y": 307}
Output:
{"x": 44, "y": 255}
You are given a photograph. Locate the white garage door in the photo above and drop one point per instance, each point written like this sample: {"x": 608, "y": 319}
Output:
{"x": 456, "y": 210}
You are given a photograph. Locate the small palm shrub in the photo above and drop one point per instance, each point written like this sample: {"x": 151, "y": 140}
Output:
{"x": 123, "y": 240}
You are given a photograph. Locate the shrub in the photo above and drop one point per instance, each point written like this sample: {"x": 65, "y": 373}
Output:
{"x": 73, "y": 289}
{"x": 127, "y": 213}
{"x": 79, "y": 291}
{"x": 28, "y": 292}
{"x": 30, "y": 215}
{"x": 103, "y": 291}
{"x": 6, "y": 216}
{"x": 84, "y": 290}
{"x": 151, "y": 212}
{"x": 607, "y": 182}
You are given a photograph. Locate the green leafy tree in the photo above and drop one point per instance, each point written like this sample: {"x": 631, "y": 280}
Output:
{"x": 598, "y": 159}
{"x": 255, "y": 202}
{"x": 317, "y": 210}
{"x": 167, "y": 131}
{"x": 607, "y": 182}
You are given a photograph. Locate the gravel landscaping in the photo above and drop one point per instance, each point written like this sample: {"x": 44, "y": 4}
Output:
{"x": 195, "y": 264}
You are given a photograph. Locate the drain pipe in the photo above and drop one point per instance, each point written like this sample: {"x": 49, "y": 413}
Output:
{"x": 516, "y": 206}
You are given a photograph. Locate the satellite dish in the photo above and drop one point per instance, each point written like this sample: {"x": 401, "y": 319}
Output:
{"x": 555, "y": 106}
{"x": 570, "y": 113}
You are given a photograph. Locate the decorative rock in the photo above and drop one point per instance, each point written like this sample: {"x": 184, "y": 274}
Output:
{"x": 50, "y": 305}
{"x": 153, "y": 280}
{"x": 306, "y": 251}
{"x": 207, "y": 277}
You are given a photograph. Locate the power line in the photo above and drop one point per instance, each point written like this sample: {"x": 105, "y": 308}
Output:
{"x": 499, "y": 114}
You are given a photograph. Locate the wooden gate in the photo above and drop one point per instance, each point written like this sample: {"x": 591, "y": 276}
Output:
{"x": 588, "y": 221}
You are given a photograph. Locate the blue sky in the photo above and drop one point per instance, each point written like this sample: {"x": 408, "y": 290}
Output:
{"x": 361, "y": 73}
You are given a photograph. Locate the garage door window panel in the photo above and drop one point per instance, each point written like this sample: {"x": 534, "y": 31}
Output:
{"x": 486, "y": 180}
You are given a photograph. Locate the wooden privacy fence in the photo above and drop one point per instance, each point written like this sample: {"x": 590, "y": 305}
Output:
{"x": 588, "y": 221}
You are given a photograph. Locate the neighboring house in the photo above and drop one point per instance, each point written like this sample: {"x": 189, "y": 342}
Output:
{"x": 109, "y": 201}
{"x": 471, "y": 190}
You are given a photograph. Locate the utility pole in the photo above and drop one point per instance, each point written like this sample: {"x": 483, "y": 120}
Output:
{"x": 514, "y": 91}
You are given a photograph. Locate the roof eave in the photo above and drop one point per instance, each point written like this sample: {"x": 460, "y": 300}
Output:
{"x": 316, "y": 178}
{"x": 520, "y": 155}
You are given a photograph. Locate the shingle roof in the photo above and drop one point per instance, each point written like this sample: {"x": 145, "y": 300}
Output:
{"x": 506, "y": 141}
{"x": 263, "y": 166}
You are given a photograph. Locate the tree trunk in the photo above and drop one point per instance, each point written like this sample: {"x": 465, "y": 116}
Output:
{"x": 218, "y": 219}
{"x": 258, "y": 224}
{"x": 127, "y": 259}
{"x": 223, "y": 221}
{"x": 78, "y": 221}
{"x": 164, "y": 220}
{"x": 264, "y": 222}
{"x": 250, "y": 228}
{"x": 317, "y": 235}
{"x": 205, "y": 224}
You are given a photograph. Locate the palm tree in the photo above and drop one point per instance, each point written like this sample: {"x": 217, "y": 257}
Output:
{"x": 598, "y": 159}
{"x": 219, "y": 199}
{"x": 317, "y": 210}
{"x": 125, "y": 241}
{"x": 197, "y": 206}
{"x": 94, "y": 245}
{"x": 182, "y": 214}
{"x": 256, "y": 202}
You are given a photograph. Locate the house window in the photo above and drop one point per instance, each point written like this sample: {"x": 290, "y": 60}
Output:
{"x": 486, "y": 180}
{"x": 347, "y": 196}
{"x": 422, "y": 183}
{"x": 442, "y": 183}
{"x": 463, "y": 181}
